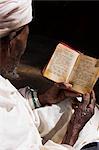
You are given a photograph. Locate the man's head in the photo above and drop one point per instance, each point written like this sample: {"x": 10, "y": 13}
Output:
{"x": 14, "y": 17}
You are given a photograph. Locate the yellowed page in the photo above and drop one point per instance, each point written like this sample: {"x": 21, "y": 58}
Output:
{"x": 84, "y": 74}
{"x": 97, "y": 64}
{"x": 61, "y": 63}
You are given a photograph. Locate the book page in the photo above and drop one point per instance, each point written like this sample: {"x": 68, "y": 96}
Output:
{"x": 97, "y": 64}
{"x": 84, "y": 74}
{"x": 61, "y": 63}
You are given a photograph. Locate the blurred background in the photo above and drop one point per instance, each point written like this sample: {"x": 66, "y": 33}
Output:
{"x": 74, "y": 22}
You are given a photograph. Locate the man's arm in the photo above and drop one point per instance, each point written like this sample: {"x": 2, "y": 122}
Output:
{"x": 83, "y": 112}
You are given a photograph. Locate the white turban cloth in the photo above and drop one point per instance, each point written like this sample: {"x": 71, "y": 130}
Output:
{"x": 14, "y": 14}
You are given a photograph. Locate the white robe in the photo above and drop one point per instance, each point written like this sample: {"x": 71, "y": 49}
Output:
{"x": 19, "y": 125}
{"x": 22, "y": 129}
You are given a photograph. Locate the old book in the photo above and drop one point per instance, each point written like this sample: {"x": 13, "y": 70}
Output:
{"x": 69, "y": 66}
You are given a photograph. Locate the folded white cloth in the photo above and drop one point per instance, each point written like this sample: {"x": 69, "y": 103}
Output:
{"x": 14, "y": 14}
{"x": 19, "y": 125}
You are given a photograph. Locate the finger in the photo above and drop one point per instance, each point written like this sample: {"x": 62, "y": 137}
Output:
{"x": 92, "y": 98}
{"x": 69, "y": 89}
{"x": 71, "y": 93}
{"x": 63, "y": 86}
{"x": 86, "y": 99}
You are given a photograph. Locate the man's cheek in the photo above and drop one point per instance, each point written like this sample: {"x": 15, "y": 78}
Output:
{"x": 18, "y": 44}
{"x": 17, "y": 49}
{"x": 12, "y": 52}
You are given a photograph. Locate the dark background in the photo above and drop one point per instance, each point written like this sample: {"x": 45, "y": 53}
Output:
{"x": 73, "y": 22}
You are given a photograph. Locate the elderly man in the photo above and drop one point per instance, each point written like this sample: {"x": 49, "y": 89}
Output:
{"x": 23, "y": 120}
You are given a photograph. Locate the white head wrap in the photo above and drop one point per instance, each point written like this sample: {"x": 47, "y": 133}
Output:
{"x": 14, "y": 14}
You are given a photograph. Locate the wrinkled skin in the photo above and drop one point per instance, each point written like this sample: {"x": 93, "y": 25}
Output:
{"x": 12, "y": 48}
{"x": 83, "y": 112}
{"x": 57, "y": 93}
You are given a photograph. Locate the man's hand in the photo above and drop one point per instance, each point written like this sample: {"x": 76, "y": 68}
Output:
{"x": 83, "y": 112}
{"x": 57, "y": 93}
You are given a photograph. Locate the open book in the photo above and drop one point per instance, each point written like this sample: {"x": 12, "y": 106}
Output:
{"x": 69, "y": 66}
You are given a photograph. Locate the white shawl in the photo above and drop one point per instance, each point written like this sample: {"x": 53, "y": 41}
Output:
{"x": 19, "y": 125}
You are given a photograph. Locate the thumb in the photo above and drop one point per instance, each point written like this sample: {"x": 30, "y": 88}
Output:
{"x": 63, "y": 86}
